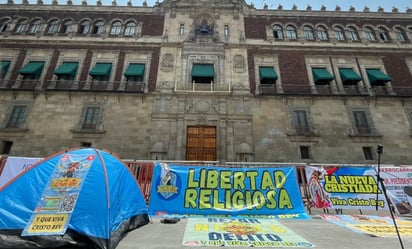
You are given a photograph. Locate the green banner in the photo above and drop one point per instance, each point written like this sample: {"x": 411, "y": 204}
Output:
{"x": 241, "y": 232}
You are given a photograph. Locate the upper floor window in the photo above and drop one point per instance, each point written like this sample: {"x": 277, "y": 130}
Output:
{"x": 3, "y": 25}
{"x": 32, "y": 70}
{"x": 300, "y": 121}
{"x": 321, "y": 76}
{"x": 66, "y": 71}
{"x": 277, "y": 32}
{"x": 339, "y": 34}
{"x": 130, "y": 29}
{"x": 4, "y": 67}
{"x": 53, "y": 27}
{"x": 383, "y": 34}
{"x": 226, "y": 30}
{"x": 98, "y": 28}
{"x": 267, "y": 75}
{"x": 91, "y": 118}
{"x": 85, "y": 27}
{"x": 362, "y": 122}
{"x": 322, "y": 34}
{"x": 135, "y": 72}
{"x": 67, "y": 27}
{"x": 17, "y": 116}
{"x": 291, "y": 32}
{"x": 308, "y": 33}
{"x": 181, "y": 29}
{"x": 101, "y": 72}
{"x": 370, "y": 34}
{"x": 35, "y": 26}
{"x": 116, "y": 28}
{"x": 400, "y": 34}
{"x": 21, "y": 26}
{"x": 353, "y": 34}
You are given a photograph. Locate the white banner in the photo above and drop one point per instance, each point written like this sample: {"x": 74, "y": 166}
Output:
{"x": 14, "y": 166}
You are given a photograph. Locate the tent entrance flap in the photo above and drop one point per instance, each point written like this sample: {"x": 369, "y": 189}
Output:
{"x": 101, "y": 69}
{"x": 135, "y": 70}
{"x": 203, "y": 70}
{"x": 267, "y": 73}
{"x": 66, "y": 68}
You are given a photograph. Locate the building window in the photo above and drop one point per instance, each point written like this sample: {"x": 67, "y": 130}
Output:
{"x": 6, "y": 147}
{"x": 367, "y": 153}
{"x": 21, "y": 26}
{"x": 308, "y": 33}
{"x": 17, "y": 116}
{"x": 85, "y": 27}
{"x": 291, "y": 32}
{"x": 353, "y": 34}
{"x": 3, "y": 25}
{"x": 91, "y": 118}
{"x": 101, "y": 72}
{"x": 181, "y": 29}
{"x": 321, "y": 76}
{"x": 135, "y": 72}
{"x": 339, "y": 34}
{"x": 98, "y": 28}
{"x": 130, "y": 29}
{"x": 35, "y": 27}
{"x": 32, "y": 70}
{"x": 277, "y": 32}
{"x": 203, "y": 73}
{"x": 66, "y": 71}
{"x": 4, "y": 67}
{"x": 53, "y": 27}
{"x": 400, "y": 35}
{"x": 383, "y": 34}
{"x": 300, "y": 122}
{"x": 67, "y": 27}
{"x": 226, "y": 30}
{"x": 362, "y": 122}
{"x": 322, "y": 34}
{"x": 116, "y": 28}
{"x": 370, "y": 34}
{"x": 304, "y": 152}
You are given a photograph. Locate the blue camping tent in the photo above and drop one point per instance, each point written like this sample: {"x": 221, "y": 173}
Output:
{"x": 80, "y": 198}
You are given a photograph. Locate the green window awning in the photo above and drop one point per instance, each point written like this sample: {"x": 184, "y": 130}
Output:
{"x": 135, "y": 70}
{"x": 101, "y": 69}
{"x": 321, "y": 74}
{"x": 4, "y": 66}
{"x": 203, "y": 70}
{"x": 349, "y": 75}
{"x": 33, "y": 67}
{"x": 66, "y": 68}
{"x": 376, "y": 75}
{"x": 267, "y": 73}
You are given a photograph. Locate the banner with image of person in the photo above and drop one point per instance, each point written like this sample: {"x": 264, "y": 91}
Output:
{"x": 211, "y": 190}
{"x": 398, "y": 183}
{"x": 344, "y": 187}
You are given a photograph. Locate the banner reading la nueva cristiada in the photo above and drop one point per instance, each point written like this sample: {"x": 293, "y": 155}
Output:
{"x": 201, "y": 190}
{"x": 344, "y": 187}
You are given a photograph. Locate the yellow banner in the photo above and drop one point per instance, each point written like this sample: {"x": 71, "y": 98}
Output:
{"x": 48, "y": 223}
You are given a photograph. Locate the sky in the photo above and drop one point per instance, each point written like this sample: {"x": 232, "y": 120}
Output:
{"x": 359, "y": 5}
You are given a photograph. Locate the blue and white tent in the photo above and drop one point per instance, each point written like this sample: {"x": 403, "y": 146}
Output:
{"x": 80, "y": 198}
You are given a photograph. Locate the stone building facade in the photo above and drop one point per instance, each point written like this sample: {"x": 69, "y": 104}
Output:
{"x": 206, "y": 80}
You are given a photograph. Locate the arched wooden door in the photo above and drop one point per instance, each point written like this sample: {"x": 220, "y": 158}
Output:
{"x": 201, "y": 143}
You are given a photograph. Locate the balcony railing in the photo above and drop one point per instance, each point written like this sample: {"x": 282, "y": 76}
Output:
{"x": 202, "y": 87}
{"x": 71, "y": 85}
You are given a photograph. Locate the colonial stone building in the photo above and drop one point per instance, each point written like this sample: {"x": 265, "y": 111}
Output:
{"x": 215, "y": 80}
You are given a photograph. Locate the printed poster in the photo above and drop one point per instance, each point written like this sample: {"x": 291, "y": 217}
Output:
{"x": 246, "y": 232}
{"x": 344, "y": 187}
{"x": 210, "y": 190}
{"x": 375, "y": 226}
{"x": 58, "y": 200}
{"x": 398, "y": 183}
